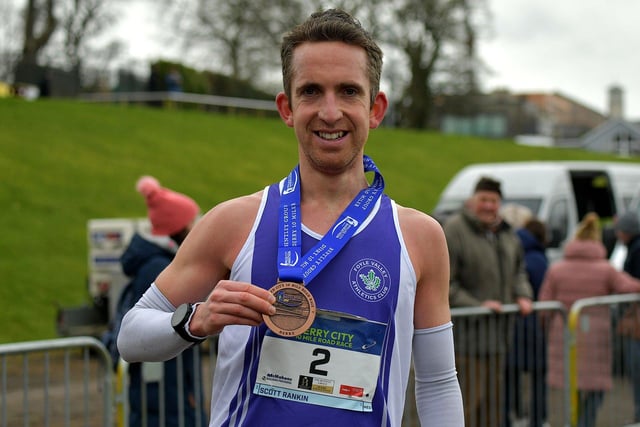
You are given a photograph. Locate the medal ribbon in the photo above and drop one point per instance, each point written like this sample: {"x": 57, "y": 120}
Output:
{"x": 292, "y": 265}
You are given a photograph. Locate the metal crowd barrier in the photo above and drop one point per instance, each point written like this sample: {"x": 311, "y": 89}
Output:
{"x": 70, "y": 381}
{"x": 596, "y": 330}
{"x": 501, "y": 363}
{"x": 56, "y": 382}
{"x": 152, "y": 376}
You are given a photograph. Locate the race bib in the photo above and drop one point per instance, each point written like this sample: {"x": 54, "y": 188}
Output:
{"x": 335, "y": 363}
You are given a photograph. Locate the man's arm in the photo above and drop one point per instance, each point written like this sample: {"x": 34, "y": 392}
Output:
{"x": 438, "y": 396}
{"x": 198, "y": 273}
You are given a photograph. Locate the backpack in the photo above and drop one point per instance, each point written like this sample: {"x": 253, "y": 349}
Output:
{"x": 126, "y": 300}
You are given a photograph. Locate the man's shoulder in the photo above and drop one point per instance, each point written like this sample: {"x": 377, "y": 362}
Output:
{"x": 230, "y": 219}
{"x": 414, "y": 218}
{"x": 418, "y": 228}
{"x": 234, "y": 209}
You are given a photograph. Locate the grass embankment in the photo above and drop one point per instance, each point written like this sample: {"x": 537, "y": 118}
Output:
{"x": 64, "y": 162}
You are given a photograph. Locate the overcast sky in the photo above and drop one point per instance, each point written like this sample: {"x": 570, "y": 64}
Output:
{"x": 576, "y": 47}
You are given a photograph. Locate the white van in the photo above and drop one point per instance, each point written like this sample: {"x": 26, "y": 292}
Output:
{"x": 559, "y": 193}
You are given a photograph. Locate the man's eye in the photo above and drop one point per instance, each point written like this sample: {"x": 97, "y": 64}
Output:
{"x": 350, "y": 91}
{"x": 309, "y": 91}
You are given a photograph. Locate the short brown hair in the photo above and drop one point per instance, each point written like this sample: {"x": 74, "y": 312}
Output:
{"x": 327, "y": 26}
{"x": 486, "y": 183}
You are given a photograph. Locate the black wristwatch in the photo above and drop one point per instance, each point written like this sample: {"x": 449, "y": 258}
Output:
{"x": 180, "y": 319}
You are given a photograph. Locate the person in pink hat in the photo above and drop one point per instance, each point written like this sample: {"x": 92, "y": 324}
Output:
{"x": 171, "y": 214}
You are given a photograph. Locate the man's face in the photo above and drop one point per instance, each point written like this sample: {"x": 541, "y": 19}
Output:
{"x": 485, "y": 206}
{"x": 330, "y": 108}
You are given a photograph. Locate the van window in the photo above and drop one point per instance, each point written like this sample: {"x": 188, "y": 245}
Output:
{"x": 558, "y": 222}
{"x": 593, "y": 193}
{"x": 532, "y": 204}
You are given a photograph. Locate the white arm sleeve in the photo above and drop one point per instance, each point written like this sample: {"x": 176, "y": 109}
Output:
{"x": 146, "y": 334}
{"x": 438, "y": 396}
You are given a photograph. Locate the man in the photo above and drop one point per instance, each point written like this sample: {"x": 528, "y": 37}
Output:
{"x": 487, "y": 270}
{"x": 376, "y": 275}
{"x": 627, "y": 229}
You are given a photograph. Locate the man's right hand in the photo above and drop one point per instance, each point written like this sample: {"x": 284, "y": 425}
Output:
{"x": 231, "y": 303}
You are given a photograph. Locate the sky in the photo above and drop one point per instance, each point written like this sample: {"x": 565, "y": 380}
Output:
{"x": 576, "y": 47}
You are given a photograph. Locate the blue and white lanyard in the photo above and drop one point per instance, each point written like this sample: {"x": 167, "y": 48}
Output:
{"x": 292, "y": 265}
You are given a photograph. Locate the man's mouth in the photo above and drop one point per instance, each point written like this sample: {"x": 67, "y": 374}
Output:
{"x": 331, "y": 136}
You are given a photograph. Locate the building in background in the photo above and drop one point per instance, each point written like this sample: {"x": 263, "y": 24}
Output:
{"x": 548, "y": 119}
{"x": 617, "y": 134}
{"x": 501, "y": 114}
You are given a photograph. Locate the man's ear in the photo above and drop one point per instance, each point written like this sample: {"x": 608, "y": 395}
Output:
{"x": 284, "y": 109}
{"x": 378, "y": 110}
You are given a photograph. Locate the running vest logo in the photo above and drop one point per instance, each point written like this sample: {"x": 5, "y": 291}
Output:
{"x": 369, "y": 280}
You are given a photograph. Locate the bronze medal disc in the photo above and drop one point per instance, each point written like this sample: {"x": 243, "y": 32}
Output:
{"x": 295, "y": 309}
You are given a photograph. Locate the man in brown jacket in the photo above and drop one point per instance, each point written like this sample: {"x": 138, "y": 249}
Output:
{"x": 487, "y": 270}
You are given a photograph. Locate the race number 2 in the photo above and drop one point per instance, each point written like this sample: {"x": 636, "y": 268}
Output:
{"x": 317, "y": 366}
{"x": 325, "y": 356}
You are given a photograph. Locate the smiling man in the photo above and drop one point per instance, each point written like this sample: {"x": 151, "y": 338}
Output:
{"x": 488, "y": 270}
{"x": 320, "y": 287}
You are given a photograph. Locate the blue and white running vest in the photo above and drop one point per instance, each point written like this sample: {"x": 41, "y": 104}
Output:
{"x": 372, "y": 277}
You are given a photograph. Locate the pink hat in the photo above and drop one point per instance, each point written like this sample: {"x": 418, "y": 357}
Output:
{"x": 168, "y": 211}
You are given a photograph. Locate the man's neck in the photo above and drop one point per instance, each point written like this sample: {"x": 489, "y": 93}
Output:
{"x": 324, "y": 197}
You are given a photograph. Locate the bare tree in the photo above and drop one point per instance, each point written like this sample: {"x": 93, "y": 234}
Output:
{"x": 241, "y": 38}
{"x": 464, "y": 65}
{"x": 80, "y": 21}
{"x": 39, "y": 25}
{"x": 431, "y": 33}
{"x": 9, "y": 41}
{"x": 58, "y": 33}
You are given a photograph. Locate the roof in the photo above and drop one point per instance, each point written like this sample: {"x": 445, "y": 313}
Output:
{"x": 608, "y": 131}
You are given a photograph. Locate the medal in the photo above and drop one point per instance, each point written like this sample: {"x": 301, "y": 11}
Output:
{"x": 295, "y": 309}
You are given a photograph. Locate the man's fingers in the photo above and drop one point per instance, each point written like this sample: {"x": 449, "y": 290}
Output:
{"x": 243, "y": 295}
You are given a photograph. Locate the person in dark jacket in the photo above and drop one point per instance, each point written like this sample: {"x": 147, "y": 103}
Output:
{"x": 486, "y": 270}
{"x": 172, "y": 216}
{"x": 528, "y": 353}
{"x": 627, "y": 229}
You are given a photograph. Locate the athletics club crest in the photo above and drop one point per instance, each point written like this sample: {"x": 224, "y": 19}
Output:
{"x": 369, "y": 280}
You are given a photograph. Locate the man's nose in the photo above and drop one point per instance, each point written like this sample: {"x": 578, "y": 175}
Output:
{"x": 330, "y": 110}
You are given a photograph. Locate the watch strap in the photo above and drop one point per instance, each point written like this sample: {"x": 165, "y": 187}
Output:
{"x": 182, "y": 328}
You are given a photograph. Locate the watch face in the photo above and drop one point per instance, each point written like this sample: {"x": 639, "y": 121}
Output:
{"x": 180, "y": 315}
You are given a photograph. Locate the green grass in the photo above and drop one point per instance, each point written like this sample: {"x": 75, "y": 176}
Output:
{"x": 64, "y": 162}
